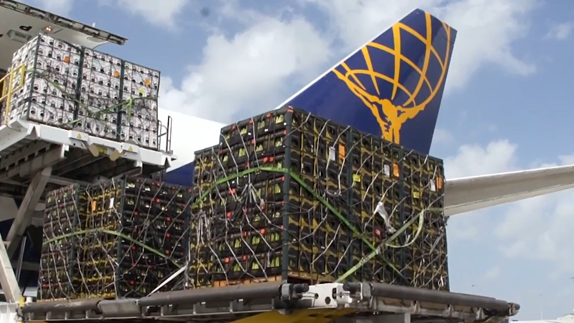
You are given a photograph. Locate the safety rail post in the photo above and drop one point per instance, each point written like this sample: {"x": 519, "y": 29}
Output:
{"x": 165, "y": 131}
{"x": 168, "y": 139}
{"x": 8, "y": 88}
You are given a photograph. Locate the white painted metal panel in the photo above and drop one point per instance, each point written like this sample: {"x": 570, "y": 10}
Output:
{"x": 190, "y": 134}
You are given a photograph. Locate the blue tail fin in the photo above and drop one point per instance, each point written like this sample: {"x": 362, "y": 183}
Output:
{"x": 392, "y": 86}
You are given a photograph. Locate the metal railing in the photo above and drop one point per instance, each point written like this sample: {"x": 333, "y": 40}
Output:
{"x": 8, "y": 88}
{"x": 165, "y": 131}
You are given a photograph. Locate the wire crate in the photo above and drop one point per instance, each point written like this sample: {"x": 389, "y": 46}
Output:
{"x": 59, "y": 262}
{"x": 293, "y": 197}
{"x": 129, "y": 239}
{"x": 74, "y": 87}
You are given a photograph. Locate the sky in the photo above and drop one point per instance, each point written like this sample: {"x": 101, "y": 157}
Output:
{"x": 224, "y": 60}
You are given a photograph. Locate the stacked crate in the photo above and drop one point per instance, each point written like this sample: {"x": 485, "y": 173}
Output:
{"x": 59, "y": 264}
{"x": 287, "y": 196}
{"x": 199, "y": 261}
{"x": 400, "y": 192}
{"x": 426, "y": 261}
{"x": 131, "y": 237}
{"x": 78, "y": 88}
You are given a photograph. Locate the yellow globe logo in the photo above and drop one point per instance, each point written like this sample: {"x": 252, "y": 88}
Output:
{"x": 408, "y": 95}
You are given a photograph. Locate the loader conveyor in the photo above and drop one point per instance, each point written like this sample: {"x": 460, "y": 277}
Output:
{"x": 281, "y": 303}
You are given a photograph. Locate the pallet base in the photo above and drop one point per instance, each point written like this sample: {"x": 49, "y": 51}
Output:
{"x": 292, "y": 279}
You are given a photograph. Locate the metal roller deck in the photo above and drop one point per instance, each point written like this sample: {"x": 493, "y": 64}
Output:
{"x": 276, "y": 302}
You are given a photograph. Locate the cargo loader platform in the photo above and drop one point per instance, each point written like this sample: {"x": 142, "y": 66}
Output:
{"x": 35, "y": 158}
{"x": 49, "y": 138}
{"x": 282, "y": 303}
{"x": 27, "y": 147}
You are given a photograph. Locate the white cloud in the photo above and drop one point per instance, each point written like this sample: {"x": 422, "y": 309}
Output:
{"x": 492, "y": 273}
{"x": 60, "y": 7}
{"x": 442, "y": 136}
{"x": 471, "y": 160}
{"x": 466, "y": 227}
{"x": 163, "y": 15}
{"x": 246, "y": 74}
{"x": 539, "y": 228}
{"x": 160, "y": 13}
{"x": 486, "y": 29}
{"x": 561, "y": 31}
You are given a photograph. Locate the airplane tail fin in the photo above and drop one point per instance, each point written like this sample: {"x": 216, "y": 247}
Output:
{"x": 392, "y": 86}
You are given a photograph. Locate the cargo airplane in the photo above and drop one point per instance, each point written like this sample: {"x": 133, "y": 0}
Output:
{"x": 392, "y": 87}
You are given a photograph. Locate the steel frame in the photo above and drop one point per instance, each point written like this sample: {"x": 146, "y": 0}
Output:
{"x": 35, "y": 157}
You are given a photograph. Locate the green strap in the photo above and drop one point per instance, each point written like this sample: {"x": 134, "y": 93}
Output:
{"x": 375, "y": 250}
{"x": 119, "y": 234}
{"x": 387, "y": 243}
{"x": 128, "y": 103}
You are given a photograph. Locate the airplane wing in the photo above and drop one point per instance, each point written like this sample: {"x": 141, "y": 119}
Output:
{"x": 478, "y": 192}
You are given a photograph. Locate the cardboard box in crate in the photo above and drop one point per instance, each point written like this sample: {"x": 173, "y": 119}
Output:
{"x": 293, "y": 197}
{"x": 78, "y": 88}
{"x": 132, "y": 236}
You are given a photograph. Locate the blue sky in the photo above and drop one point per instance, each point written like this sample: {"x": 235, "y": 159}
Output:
{"x": 507, "y": 106}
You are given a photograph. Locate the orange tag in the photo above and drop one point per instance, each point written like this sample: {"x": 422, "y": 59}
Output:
{"x": 147, "y": 82}
{"x": 94, "y": 204}
{"x": 396, "y": 170}
{"x": 341, "y": 152}
{"x": 66, "y": 59}
{"x": 439, "y": 183}
{"x": 116, "y": 74}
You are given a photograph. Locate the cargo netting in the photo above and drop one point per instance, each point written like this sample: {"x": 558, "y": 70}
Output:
{"x": 77, "y": 88}
{"x": 122, "y": 238}
{"x": 287, "y": 196}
